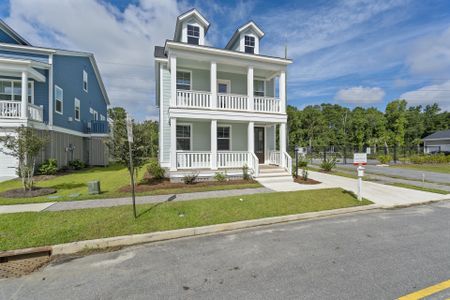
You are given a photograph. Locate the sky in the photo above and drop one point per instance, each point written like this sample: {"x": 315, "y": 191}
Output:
{"x": 350, "y": 52}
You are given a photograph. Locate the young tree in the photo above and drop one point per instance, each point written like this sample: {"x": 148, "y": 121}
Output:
{"x": 396, "y": 121}
{"x": 25, "y": 146}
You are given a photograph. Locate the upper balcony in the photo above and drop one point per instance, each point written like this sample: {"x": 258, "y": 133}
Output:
{"x": 13, "y": 110}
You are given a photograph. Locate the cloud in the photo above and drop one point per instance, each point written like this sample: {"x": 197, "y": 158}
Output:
{"x": 360, "y": 95}
{"x": 437, "y": 93}
{"x": 121, "y": 40}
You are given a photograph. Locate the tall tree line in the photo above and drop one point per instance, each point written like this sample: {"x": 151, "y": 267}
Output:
{"x": 334, "y": 125}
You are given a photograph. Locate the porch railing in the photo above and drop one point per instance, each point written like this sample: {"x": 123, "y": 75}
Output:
{"x": 287, "y": 162}
{"x": 35, "y": 112}
{"x": 267, "y": 104}
{"x": 193, "y": 99}
{"x": 254, "y": 163}
{"x": 193, "y": 160}
{"x": 10, "y": 109}
{"x": 232, "y": 102}
{"x": 232, "y": 159}
{"x": 275, "y": 158}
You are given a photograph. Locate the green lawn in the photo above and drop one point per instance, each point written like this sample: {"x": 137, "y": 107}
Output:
{"x": 22, "y": 230}
{"x": 419, "y": 188}
{"x": 73, "y": 186}
{"x": 439, "y": 168}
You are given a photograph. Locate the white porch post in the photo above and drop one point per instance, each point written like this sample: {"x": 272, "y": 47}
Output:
{"x": 213, "y": 85}
{"x": 213, "y": 144}
{"x": 250, "y": 88}
{"x": 250, "y": 137}
{"x": 173, "y": 144}
{"x": 173, "y": 81}
{"x": 282, "y": 143}
{"x": 24, "y": 109}
{"x": 282, "y": 91}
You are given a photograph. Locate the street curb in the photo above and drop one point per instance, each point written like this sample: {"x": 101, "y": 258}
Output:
{"x": 134, "y": 239}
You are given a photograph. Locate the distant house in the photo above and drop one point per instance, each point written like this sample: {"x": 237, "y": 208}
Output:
{"x": 437, "y": 142}
{"x": 56, "y": 91}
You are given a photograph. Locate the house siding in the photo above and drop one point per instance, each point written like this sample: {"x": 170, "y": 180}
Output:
{"x": 238, "y": 82}
{"x": 165, "y": 157}
{"x": 6, "y": 38}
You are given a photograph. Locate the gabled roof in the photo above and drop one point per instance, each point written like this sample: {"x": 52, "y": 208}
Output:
{"x": 14, "y": 35}
{"x": 438, "y": 135}
{"x": 250, "y": 24}
{"x": 190, "y": 13}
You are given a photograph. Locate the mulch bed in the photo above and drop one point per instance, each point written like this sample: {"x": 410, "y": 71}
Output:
{"x": 308, "y": 181}
{"x": 152, "y": 184}
{"x": 20, "y": 193}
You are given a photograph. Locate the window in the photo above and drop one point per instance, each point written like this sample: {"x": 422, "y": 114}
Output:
{"x": 249, "y": 44}
{"x": 193, "y": 34}
{"x": 77, "y": 109}
{"x": 223, "y": 138}
{"x": 183, "y": 80}
{"x": 184, "y": 137}
{"x": 223, "y": 86}
{"x": 59, "y": 98}
{"x": 11, "y": 90}
{"x": 259, "y": 88}
{"x": 85, "y": 81}
{"x": 102, "y": 117}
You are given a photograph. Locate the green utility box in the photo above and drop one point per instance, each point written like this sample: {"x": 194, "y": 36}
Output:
{"x": 94, "y": 187}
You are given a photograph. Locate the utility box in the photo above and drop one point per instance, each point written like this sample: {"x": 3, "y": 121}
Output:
{"x": 94, "y": 187}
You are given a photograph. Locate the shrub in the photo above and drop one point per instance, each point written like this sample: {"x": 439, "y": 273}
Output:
{"x": 48, "y": 167}
{"x": 440, "y": 158}
{"x": 384, "y": 158}
{"x": 305, "y": 174}
{"x": 155, "y": 170}
{"x": 219, "y": 176}
{"x": 328, "y": 164}
{"x": 302, "y": 163}
{"x": 190, "y": 178}
{"x": 76, "y": 164}
{"x": 245, "y": 174}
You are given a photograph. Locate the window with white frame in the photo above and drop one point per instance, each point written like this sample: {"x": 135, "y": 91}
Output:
{"x": 193, "y": 34}
{"x": 184, "y": 137}
{"x": 94, "y": 114}
{"x": 183, "y": 80}
{"x": 224, "y": 138}
{"x": 249, "y": 43}
{"x": 11, "y": 90}
{"x": 59, "y": 99}
{"x": 102, "y": 117}
{"x": 85, "y": 81}
{"x": 77, "y": 111}
{"x": 259, "y": 88}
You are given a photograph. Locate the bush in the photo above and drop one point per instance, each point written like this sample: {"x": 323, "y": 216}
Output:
{"x": 245, "y": 174}
{"x": 76, "y": 164}
{"x": 305, "y": 174}
{"x": 328, "y": 164}
{"x": 155, "y": 170}
{"x": 48, "y": 167}
{"x": 440, "y": 158}
{"x": 190, "y": 178}
{"x": 302, "y": 163}
{"x": 384, "y": 158}
{"x": 219, "y": 176}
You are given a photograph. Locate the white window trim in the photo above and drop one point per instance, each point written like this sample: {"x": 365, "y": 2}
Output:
{"x": 85, "y": 79}
{"x": 31, "y": 82}
{"x": 265, "y": 87}
{"x": 102, "y": 117}
{"x": 191, "y": 138}
{"x": 225, "y": 81}
{"x": 75, "y": 109}
{"x": 231, "y": 137}
{"x": 191, "y": 81}
{"x": 62, "y": 100}
{"x": 196, "y": 37}
{"x": 254, "y": 41}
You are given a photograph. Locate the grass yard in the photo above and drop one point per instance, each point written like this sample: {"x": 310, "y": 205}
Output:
{"x": 22, "y": 230}
{"x": 439, "y": 168}
{"x": 73, "y": 186}
{"x": 419, "y": 188}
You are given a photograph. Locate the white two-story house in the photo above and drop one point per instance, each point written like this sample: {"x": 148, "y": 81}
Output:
{"x": 220, "y": 109}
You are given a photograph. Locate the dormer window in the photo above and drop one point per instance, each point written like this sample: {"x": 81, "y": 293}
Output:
{"x": 193, "y": 34}
{"x": 249, "y": 44}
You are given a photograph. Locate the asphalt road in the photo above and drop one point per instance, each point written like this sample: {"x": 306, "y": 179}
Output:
{"x": 376, "y": 255}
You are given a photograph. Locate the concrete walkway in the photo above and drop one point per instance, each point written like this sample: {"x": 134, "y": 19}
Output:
{"x": 71, "y": 205}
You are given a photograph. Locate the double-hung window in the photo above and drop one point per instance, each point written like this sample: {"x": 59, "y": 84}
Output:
{"x": 223, "y": 138}
{"x": 249, "y": 44}
{"x": 77, "y": 111}
{"x": 259, "y": 88}
{"x": 184, "y": 137}
{"x": 183, "y": 80}
{"x": 85, "y": 81}
{"x": 59, "y": 99}
{"x": 11, "y": 90}
{"x": 193, "y": 34}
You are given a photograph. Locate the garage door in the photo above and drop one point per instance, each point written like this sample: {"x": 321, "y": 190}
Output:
{"x": 8, "y": 164}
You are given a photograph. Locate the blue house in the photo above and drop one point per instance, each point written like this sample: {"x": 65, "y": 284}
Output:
{"x": 59, "y": 92}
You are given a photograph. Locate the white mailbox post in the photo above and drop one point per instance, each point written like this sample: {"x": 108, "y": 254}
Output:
{"x": 360, "y": 159}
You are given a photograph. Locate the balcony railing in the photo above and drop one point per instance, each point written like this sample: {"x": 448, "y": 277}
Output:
{"x": 234, "y": 102}
{"x": 97, "y": 127}
{"x": 13, "y": 110}
{"x": 35, "y": 112}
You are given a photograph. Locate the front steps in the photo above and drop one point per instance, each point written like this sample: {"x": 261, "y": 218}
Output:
{"x": 270, "y": 173}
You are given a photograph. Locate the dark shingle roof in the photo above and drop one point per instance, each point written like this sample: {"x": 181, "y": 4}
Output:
{"x": 443, "y": 134}
{"x": 159, "y": 52}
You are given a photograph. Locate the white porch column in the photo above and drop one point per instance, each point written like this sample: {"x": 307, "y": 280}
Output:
{"x": 213, "y": 144}
{"x": 173, "y": 144}
{"x": 250, "y": 137}
{"x": 24, "y": 104}
{"x": 213, "y": 84}
{"x": 282, "y": 142}
{"x": 250, "y": 88}
{"x": 173, "y": 81}
{"x": 282, "y": 91}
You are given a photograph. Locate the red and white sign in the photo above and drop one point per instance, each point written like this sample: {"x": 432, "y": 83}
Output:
{"x": 360, "y": 159}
